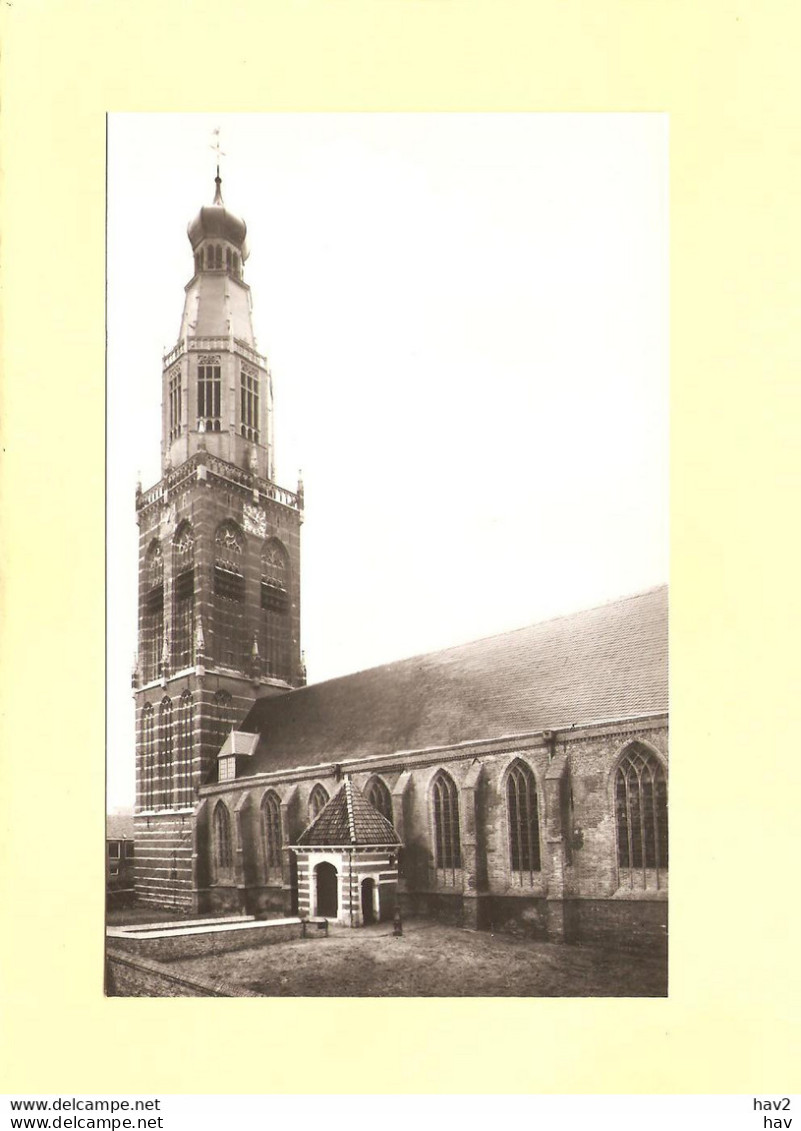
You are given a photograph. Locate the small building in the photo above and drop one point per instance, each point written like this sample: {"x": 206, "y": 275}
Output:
{"x": 347, "y": 861}
{"x": 119, "y": 858}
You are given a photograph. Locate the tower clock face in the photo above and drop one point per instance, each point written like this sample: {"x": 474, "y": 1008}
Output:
{"x": 255, "y": 520}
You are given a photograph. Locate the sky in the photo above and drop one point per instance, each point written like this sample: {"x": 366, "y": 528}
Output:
{"x": 466, "y": 318}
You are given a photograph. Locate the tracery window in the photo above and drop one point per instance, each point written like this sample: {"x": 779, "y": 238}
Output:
{"x": 164, "y": 791}
{"x": 249, "y": 403}
{"x": 229, "y": 594}
{"x": 447, "y": 842}
{"x": 221, "y": 841}
{"x": 318, "y": 799}
{"x": 175, "y": 398}
{"x": 209, "y": 387}
{"x": 379, "y": 797}
{"x": 271, "y": 831}
{"x": 222, "y": 718}
{"x": 183, "y": 570}
{"x": 148, "y": 763}
{"x": 183, "y": 761}
{"x": 524, "y": 825}
{"x": 641, "y": 817}
{"x": 153, "y": 613}
{"x": 276, "y": 634}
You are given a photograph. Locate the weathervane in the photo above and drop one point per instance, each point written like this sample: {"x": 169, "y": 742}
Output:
{"x": 215, "y": 133}
{"x": 217, "y": 180}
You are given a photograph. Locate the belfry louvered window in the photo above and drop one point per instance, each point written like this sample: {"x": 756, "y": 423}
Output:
{"x": 447, "y": 841}
{"x": 176, "y": 405}
{"x": 379, "y": 797}
{"x": 276, "y": 634}
{"x": 164, "y": 797}
{"x": 209, "y": 392}
{"x": 229, "y": 596}
{"x": 318, "y": 799}
{"x": 271, "y": 831}
{"x": 153, "y": 614}
{"x": 641, "y": 817}
{"x": 221, "y": 843}
{"x": 148, "y": 758}
{"x": 524, "y": 825}
{"x": 183, "y": 621}
{"x": 182, "y": 785}
{"x": 249, "y": 402}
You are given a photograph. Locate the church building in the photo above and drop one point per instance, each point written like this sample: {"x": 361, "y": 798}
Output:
{"x": 517, "y": 783}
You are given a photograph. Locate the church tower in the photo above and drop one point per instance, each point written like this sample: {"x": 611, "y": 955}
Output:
{"x": 219, "y": 559}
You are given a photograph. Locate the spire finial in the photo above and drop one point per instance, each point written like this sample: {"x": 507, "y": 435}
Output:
{"x": 215, "y": 133}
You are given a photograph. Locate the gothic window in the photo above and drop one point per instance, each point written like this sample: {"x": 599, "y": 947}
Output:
{"x": 148, "y": 756}
{"x": 447, "y": 843}
{"x": 153, "y": 613}
{"x": 221, "y": 842}
{"x": 183, "y": 761}
{"x": 318, "y": 799}
{"x": 641, "y": 816}
{"x": 276, "y": 636}
{"x": 183, "y": 621}
{"x": 222, "y": 718}
{"x": 524, "y": 824}
{"x": 164, "y": 789}
{"x": 271, "y": 831}
{"x": 249, "y": 403}
{"x": 378, "y": 795}
{"x": 209, "y": 392}
{"x": 175, "y": 399}
{"x": 229, "y": 595}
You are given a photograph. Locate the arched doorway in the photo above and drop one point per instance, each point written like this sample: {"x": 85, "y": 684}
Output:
{"x": 326, "y": 904}
{"x": 368, "y": 895}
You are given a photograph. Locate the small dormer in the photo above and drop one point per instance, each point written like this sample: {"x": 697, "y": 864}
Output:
{"x": 238, "y": 747}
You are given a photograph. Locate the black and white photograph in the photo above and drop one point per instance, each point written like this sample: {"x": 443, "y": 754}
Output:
{"x": 387, "y": 555}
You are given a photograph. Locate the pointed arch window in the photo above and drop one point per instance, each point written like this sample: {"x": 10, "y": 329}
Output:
{"x": 222, "y": 848}
{"x": 249, "y": 402}
{"x": 176, "y": 403}
{"x": 524, "y": 823}
{"x": 153, "y": 613}
{"x": 183, "y": 620}
{"x": 447, "y": 841}
{"x": 209, "y": 392}
{"x": 641, "y": 818}
{"x": 276, "y": 634}
{"x": 318, "y": 799}
{"x": 222, "y": 719}
{"x": 148, "y": 762}
{"x": 229, "y": 596}
{"x": 164, "y": 792}
{"x": 272, "y": 839}
{"x": 183, "y": 761}
{"x": 379, "y": 797}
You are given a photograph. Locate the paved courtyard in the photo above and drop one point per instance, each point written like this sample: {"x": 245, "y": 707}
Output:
{"x": 432, "y": 960}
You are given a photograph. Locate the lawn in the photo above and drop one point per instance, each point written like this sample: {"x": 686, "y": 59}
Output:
{"x": 432, "y": 960}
